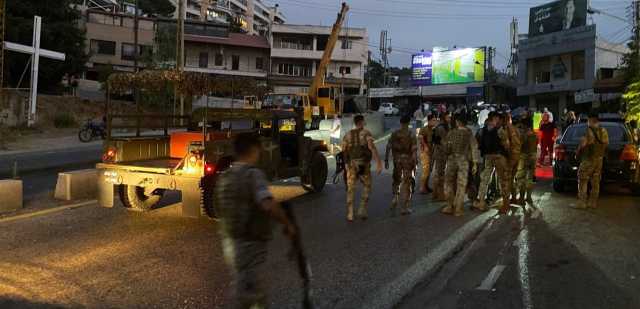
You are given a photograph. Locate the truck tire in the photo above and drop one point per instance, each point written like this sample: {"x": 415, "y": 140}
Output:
{"x": 133, "y": 198}
{"x": 207, "y": 198}
{"x": 317, "y": 177}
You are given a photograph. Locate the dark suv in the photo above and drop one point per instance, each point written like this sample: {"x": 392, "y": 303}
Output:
{"x": 621, "y": 164}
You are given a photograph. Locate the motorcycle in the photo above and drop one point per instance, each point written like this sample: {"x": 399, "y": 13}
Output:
{"x": 91, "y": 131}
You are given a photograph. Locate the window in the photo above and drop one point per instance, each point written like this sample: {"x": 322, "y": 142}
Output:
{"x": 259, "y": 63}
{"x": 219, "y": 59}
{"x": 235, "y": 62}
{"x": 345, "y": 70}
{"x": 346, "y": 44}
{"x": 577, "y": 66}
{"x": 204, "y": 60}
{"x": 542, "y": 70}
{"x": 128, "y": 52}
{"x": 294, "y": 69}
{"x": 99, "y": 47}
{"x": 294, "y": 43}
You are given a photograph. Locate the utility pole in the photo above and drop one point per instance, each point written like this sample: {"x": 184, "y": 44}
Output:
{"x": 180, "y": 50}
{"x": 2, "y": 13}
{"x": 385, "y": 49}
{"x": 513, "y": 62}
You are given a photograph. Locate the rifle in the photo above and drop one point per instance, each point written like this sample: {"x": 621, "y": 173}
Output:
{"x": 340, "y": 167}
{"x": 297, "y": 252}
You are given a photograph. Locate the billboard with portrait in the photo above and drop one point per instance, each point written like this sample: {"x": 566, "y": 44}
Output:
{"x": 458, "y": 66}
{"x": 421, "y": 69}
{"x": 557, "y": 16}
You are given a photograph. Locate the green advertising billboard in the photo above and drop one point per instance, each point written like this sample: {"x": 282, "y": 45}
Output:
{"x": 458, "y": 66}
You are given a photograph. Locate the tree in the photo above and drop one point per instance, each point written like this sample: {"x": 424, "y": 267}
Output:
{"x": 163, "y": 8}
{"x": 631, "y": 63}
{"x": 375, "y": 74}
{"x": 60, "y": 32}
{"x": 632, "y": 98}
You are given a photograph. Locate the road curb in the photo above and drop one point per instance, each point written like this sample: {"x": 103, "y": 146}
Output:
{"x": 391, "y": 294}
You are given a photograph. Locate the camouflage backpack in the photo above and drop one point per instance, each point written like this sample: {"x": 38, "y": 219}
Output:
{"x": 358, "y": 152}
{"x": 401, "y": 143}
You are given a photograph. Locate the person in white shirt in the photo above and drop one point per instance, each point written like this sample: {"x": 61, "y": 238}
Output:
{"x": 335, "y": 133}
{"x": 546, "y": 111}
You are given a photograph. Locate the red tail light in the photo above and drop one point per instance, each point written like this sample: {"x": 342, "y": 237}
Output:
{"x": 560, "y": 153}
{"x": 209, "y": 169}
{"x": 109, "y": 155}
{"x": 629, "y": 153}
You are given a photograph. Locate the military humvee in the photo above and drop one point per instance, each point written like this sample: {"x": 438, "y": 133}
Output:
{"x": 140, "y": 169}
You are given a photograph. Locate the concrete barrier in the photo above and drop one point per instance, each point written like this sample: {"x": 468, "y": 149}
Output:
{"x": 10, "y": 195}
{"x": 75, "y": 185}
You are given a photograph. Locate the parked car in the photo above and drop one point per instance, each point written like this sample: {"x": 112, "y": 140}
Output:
{"x": 388, "y": 109}
{"x": 621, "y": 164}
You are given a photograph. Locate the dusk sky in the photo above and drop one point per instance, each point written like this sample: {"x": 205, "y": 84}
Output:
{"x": 423, "y": 24}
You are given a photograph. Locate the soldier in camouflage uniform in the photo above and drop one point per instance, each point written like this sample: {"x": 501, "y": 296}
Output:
{"x": 494, "y": 145}
{"x": 359, "y": 149}
{"x": 462, "y": 152}
{"x": 426, "y": 140}
{"x": 246, "y": 208}
{"x": 527, "y": 163}
{"x": 513, "y": 152}
{"x": 591, "y": 152}
{"x": 439, "y": 156}
{"x": 404, "y": 147}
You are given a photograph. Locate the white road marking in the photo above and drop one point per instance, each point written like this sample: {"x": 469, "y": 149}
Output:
{"x": 492, "y": 278}
{"x": 523, "y": 256}
{"x": 47, "y": 211}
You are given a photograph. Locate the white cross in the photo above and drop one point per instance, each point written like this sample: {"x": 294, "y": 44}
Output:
{"x": 36, "y": 52}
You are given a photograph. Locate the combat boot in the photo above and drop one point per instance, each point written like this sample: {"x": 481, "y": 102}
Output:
{"x": 459, "y": 212}
{"x": 480, "y": 205}
{"x": 521, "y": 199}
{"x": 580, "y": 205}
{"x": 394, "y": 201}
{"x": 592, "y": 204}
{"x": 362, "y": 212}
{"x": 447, "y": 210}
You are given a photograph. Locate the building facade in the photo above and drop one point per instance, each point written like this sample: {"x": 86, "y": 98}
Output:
{"x": 556, "y": 70}
{"x": 296, "y": 51}
{"x": 236, "y": 55}
{"x": 254, "y": 16}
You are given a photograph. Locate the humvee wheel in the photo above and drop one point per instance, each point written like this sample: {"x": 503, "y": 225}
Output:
{"x": 317, "y": 177}
{"x": 134, "y": 198}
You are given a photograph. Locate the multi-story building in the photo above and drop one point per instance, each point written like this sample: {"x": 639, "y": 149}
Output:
{"x": 235, "y": 55}
{"x": 296, "y": 51}
{"x": 254, "y": 16}
{"x": 559, "y": 70}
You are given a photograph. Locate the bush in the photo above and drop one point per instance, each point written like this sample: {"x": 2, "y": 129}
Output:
{"x": 64, "y": 121}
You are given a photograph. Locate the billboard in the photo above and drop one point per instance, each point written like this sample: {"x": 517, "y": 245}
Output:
{"x": 557, "y": 16}
{"x": 421, "y": 69}
{"x": 458, "y": 66}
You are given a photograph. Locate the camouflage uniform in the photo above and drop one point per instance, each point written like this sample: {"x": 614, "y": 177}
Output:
{"x": 462, "y": 150}
{"x": 590, "y": 169}
{"x": 440, "y": 160}
{"x": 245, "y": 229}
{"x": 404, "y": 147}
{"x": 514, "y": 155}
{"x": 497, "y": 161}
{"x": 426, "y": 134}
{"x": 357, "y": 169}
{"x": 527, "y": 166}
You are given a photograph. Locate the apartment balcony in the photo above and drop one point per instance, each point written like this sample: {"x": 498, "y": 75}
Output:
{"x": 351, "y": 55}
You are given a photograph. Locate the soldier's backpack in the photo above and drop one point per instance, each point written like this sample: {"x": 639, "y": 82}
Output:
{"x": 358, "y": 152}
{"x": 401, "y": 143}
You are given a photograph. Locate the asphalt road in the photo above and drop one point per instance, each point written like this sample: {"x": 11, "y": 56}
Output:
{"x": 556, "y": 258}
{"x": 92, "y": 257}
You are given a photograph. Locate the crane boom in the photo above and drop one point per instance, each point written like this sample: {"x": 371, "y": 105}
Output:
{"x": 326, "y": 56}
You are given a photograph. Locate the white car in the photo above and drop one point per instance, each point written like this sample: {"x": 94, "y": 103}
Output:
{"x": 388, "y": 109}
